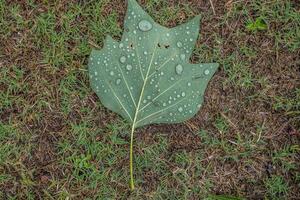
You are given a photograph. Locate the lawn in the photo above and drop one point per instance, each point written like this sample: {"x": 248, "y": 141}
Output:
{"x": 57, "y": 141}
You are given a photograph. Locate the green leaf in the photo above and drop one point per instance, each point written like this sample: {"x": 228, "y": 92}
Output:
{"x": 147, "y": 77}
{"x": 258, "y": 25}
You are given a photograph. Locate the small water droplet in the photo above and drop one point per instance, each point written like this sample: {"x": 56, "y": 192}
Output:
{"x": 96, "y": 73}
{"x": 145, "y": 52}
{"x": 183, "y": 94}
{"x": 180, "y": 109}
{"x": 129, "y": 67}
{"x": 182, "y": 56}
{"x": 179, "y": 44}
{"x": 179, "y": 69}
{"x": 123, "y": 59}
{"x": 172, "y": 78}
{"x": 164, "y": 104}
{"x": 145, "y": 25}
{"x": 206, "y": 72}
{"x": 145, "y": 101}
{"x": 118, "y": 81}
{"x": 111, "y": 73}
{"x": 121, "y": 45}
{"x": 189, "y": 84}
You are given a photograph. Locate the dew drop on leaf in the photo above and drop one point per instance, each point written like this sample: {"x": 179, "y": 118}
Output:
{"x": 145, "y": 25}
{"x": 111, "y": 73}
{"x": 179, "y": 69}
{"x": 206, "y": 72}
{"x": 183, "y": 94}
{"x": 123, "y": 59}
{"x": 180, "y": 109}
{"x": 179, "y": 44}
{"x": 182, "y": 56}
{"x": 118, "y": 81}
{"x": 129, "y": 67}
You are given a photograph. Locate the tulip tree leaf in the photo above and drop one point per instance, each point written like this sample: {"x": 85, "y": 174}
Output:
{"x": 147, "y": 77}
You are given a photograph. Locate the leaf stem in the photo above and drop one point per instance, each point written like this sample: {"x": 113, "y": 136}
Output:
{"x": 131, "y": 158}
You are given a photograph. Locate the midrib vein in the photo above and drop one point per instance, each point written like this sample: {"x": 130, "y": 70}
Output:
{"x": 142, "y": 91}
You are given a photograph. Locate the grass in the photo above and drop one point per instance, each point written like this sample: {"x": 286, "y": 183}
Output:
{"x": 58, "y": 142}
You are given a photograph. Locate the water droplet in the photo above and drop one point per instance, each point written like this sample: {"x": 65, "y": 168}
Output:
{"x": 179, "y": 44}
{"x": 118, "y": 81}
{"x": 164, "y": 104}
{"x": 121, "y": 45}
{"x": 129, "y": 67}
{"x": 206, "y": 72}
{"x": 179, "y": 69}
{"x": 189, "y": 84}
{"x": 172, "y": 78}
{"x": 123, "y": 59}
{"x": 96, "y": 73}
{"x": 168, "y": 34}
{"x": 149, "y": 97}
{"x": 183, "y": 94}
{"x": 145, "y": 101}
{"x": 180, "y": 109}
{"x": 111, "y": 73}
{"x": 145, "y": 25}
{"x": 182, "y": 56}
{"x": 145, "y": 52}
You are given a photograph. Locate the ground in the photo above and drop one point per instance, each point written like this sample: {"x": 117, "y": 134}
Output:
{"x": 58, "y": 142}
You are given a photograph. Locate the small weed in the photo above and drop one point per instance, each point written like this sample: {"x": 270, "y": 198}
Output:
{"x": 258, "y": 25}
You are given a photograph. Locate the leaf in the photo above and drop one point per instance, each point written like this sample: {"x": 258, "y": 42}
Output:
{"x": 147, "y": 77}
{"x": 258, "y": 25}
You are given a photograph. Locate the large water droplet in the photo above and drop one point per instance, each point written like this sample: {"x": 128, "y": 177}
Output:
{"x": 179, "y": 69}
{"x": 206, "y": 72}
{"x": 179, "y": 44}
{"x": 123, "y": 59}
{"x": 145, "y": 25}
{"x": 129, "y": 67}
{"x": 118, "y": 81}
